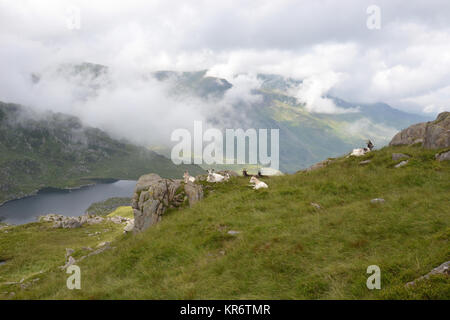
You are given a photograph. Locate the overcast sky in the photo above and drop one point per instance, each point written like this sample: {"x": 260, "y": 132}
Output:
{"x": 405, "y": 63}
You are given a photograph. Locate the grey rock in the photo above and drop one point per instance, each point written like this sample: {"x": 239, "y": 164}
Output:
{"x": 398, "y": 156}
{"x": 377, "y": 200}
{"x": 153, "y": 195}
{"x": 437, "y": 134}
{"x": 433, "y": 134}
{"x": 401, "y": 164}
{"x": 69, "y": 252}
{"x": 69, "y": 262}
{"x": 365, "y": 162}
{"x": 411, "y": 135}
{"x": 194, "y": 192}
{"x": 233, "y": 232}
{"x": 444, "y": 156}
{"x": 443, "y": 269}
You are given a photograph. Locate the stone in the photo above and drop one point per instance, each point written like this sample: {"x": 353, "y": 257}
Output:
{"x": 153, "y": 195}
{"x": 433, "y": 134}
{"x": 69, "y": 252}
{"x": 444, "y": 156}
{"x": 69, "y": 262}
{"x": 398, "y": 156}
{"x": 233, "y": 232}
{"x": 104, "y": 243}
{"x": 401, "y": 164}
{"x": 365, "y": 162}
{"x": 443, "y": 269}
{"x": 437, "y": 133}
{"x": 194, "y": 192}
{"x": 316, "y": 205}
{"x": 377, "y": 200}
{"x": 411, "y": 135}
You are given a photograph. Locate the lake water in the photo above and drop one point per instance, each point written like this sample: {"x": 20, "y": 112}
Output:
{"x": 65, "y": 202}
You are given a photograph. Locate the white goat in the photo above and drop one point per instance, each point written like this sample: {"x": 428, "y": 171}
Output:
{"x": 214, "y": 177}
{"x": 188, "y": 178}
{"x": 362, "y": 151}
{"x": 257, "y": 183}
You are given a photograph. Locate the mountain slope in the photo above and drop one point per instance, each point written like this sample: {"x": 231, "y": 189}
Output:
{"x": 285, "y": 248}
{"x": 56, "y": 150}
{"x": 305, "y": 137}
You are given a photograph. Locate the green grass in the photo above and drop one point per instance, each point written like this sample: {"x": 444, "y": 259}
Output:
{"x": 286, "y": 249}
{"x": 123, "y": 211}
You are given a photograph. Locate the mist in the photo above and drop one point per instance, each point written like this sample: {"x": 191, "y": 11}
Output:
{"x": 403, "y": 64}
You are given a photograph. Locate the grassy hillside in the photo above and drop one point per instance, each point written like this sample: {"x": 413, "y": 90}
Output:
{"x": 55, "y": 150}
{"x": 285, "y": 248}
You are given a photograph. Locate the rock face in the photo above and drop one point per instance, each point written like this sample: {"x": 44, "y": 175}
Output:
{"x": 433, "y": 134}
{"x": 444, "y": 156}
{"x": 411, "y": 135}
{"x": 64, "y": 222}
{"x": 153, "y": 195}
{"x": 443, "y": 269}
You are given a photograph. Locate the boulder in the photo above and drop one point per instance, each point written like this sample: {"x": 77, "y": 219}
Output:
{"x": 437, "y": 133}
{"x": 443, "y": 269}
{"x": 433, "y": 134}
{"x": 401, "y": 164}
{"x": 411, "y": 135}
{"x": 398, "y": 156}
{"x": 194, "y": 192}
{"x": 444, "y": 156}
{"x": 153, "y": 195}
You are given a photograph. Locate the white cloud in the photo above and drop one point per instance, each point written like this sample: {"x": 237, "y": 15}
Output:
{"x": 327, "y": 44}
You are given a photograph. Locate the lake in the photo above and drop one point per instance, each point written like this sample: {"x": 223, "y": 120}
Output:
{"x": 66, "y": 202}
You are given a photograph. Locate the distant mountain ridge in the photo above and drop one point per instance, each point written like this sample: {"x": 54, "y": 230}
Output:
{"x": 305, "y": 137}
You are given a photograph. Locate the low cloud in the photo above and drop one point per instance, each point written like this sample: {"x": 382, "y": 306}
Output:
{"x": 326, "y": 44}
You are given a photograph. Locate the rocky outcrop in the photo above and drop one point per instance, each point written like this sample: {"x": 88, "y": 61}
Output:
{"x": 433, "y": 134}
{"x": 153, "y": 195}
{"x": 443, "y": 156}
{"x": 443, "y": 269}
{"x": 319, "y": 165}
{"x": 60, "y": 221}
{"x": 411, "y": 135}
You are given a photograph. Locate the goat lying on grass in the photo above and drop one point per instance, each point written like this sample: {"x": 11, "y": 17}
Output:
{"x": 215, "y": 177}
{"x": 257, "y": 184}
{"x": 362, "y": 151}
{"x": 188, "y": 178}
